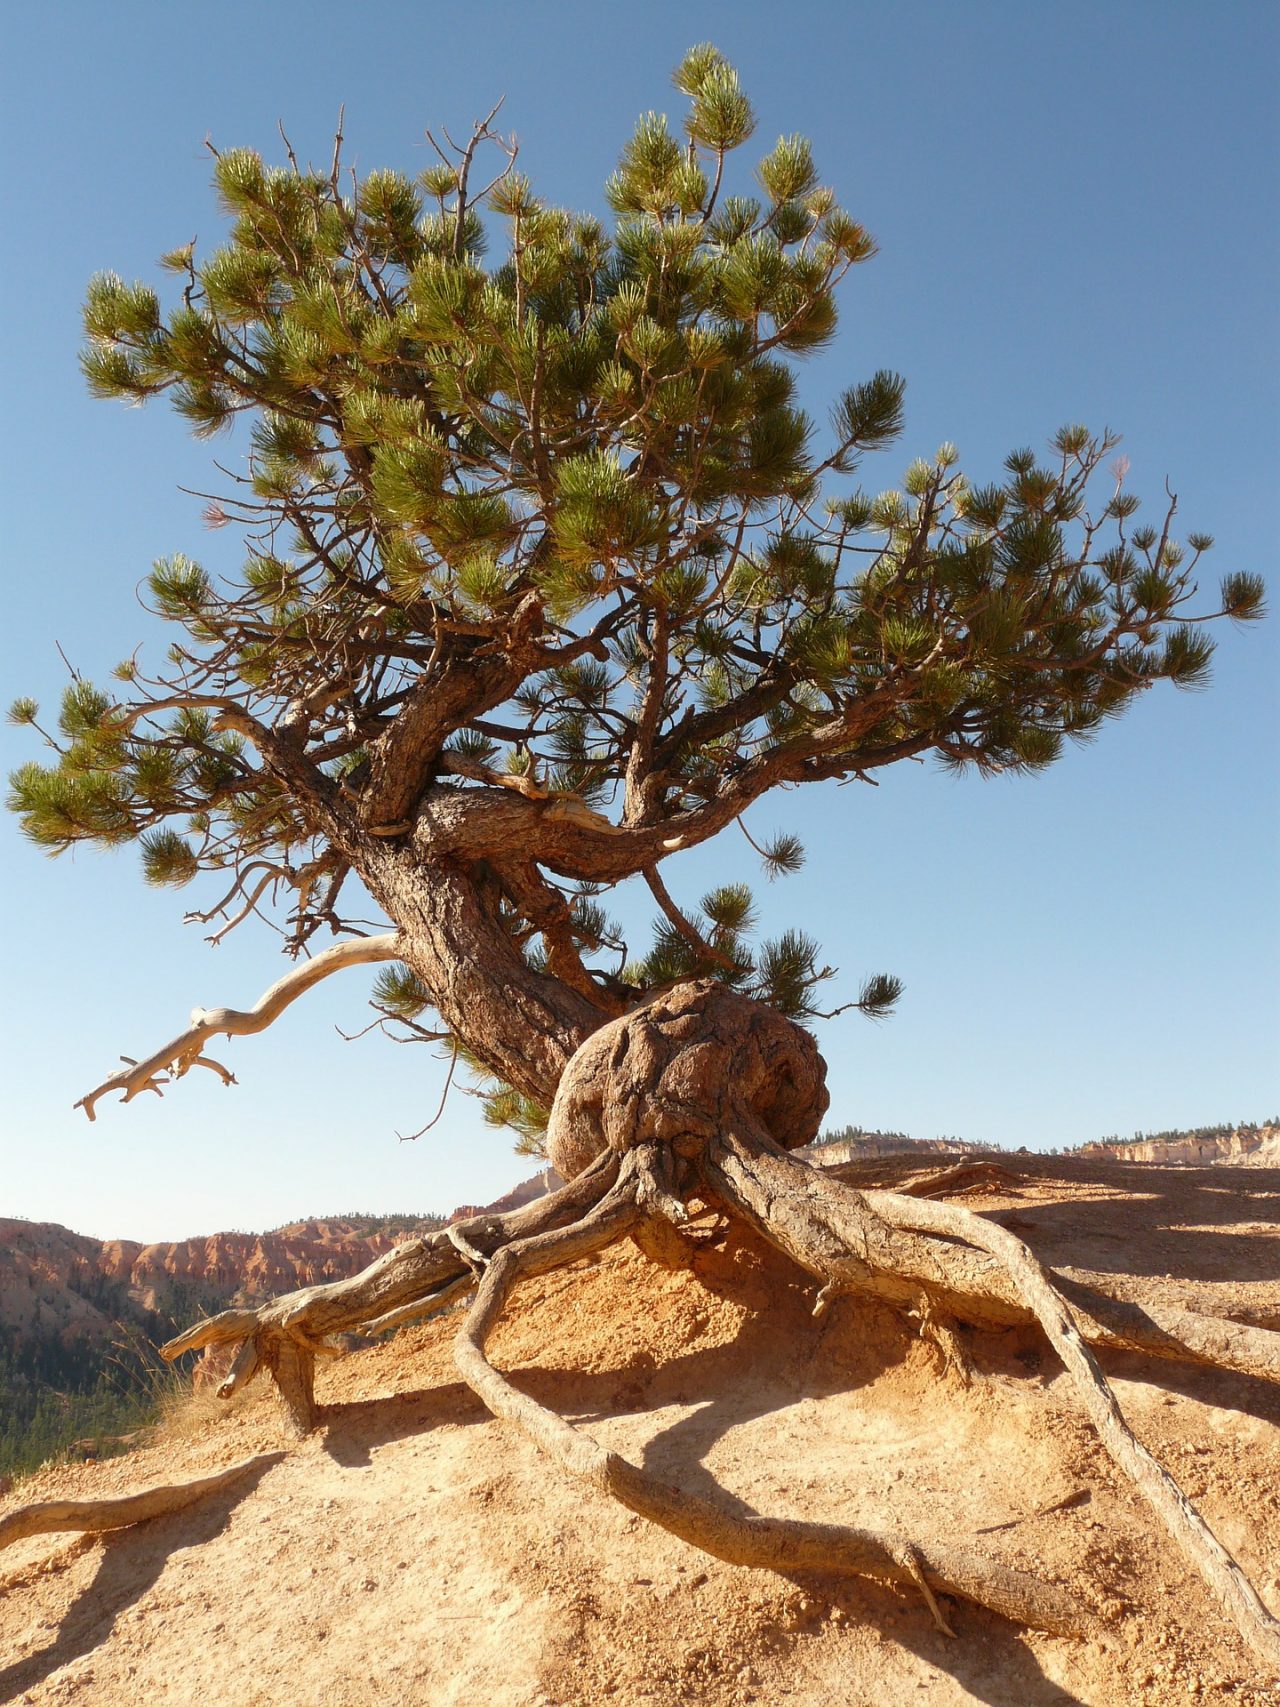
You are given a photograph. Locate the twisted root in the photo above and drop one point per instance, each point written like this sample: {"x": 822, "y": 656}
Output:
{"x": 410, "y": 1283}
{"x": 703, "y": 1093}
{"x": 841, "y": 1234}
{"x": 777, "y": 1544}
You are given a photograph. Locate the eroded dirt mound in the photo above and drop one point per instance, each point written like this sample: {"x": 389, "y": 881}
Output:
{"x": 417, "y": 1551}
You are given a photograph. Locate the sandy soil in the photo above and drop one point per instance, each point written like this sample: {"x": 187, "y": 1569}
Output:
{"x": 417, "y": 1551}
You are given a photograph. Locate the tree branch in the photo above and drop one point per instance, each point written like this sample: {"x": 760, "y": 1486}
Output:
{"x": 173, "y": 1059}
{"x": 688, "y": 930}
{"x": 465, "y": 686}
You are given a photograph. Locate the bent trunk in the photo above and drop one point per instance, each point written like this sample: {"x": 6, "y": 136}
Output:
{"x": 524, "y": 1025}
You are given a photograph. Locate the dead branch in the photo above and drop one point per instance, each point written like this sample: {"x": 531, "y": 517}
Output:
{"x": 173, "y": 1059}
{"x": 94, "y": 1516}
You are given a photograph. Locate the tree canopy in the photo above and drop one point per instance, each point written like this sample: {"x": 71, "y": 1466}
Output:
{"x": 549, "y": 578}
{"x": 549, "y": 574}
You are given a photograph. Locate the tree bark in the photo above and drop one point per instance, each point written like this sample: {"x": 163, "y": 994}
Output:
{"x": 524, "y": 1025}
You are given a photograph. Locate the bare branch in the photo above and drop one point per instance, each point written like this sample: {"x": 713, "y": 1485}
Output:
{"x": 173, "y": 1059}
{"x": 408, "y": 1137}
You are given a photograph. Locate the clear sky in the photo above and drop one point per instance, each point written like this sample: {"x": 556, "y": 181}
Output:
{"x": 1077, "y": 212}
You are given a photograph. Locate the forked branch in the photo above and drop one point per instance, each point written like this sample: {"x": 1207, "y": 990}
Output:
{"x": 185, "y": 1051}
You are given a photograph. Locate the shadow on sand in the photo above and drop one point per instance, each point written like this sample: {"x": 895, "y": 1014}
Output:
{"x": 1180, "y": 1213}
{"x": 130, "y": 1562}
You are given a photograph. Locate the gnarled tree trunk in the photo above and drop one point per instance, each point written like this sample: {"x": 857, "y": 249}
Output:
{"x": 521, "y": 1023}
{"x": 700, "y": 1095}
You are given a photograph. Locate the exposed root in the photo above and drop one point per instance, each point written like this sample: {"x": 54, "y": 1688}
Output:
{"x": 409, "y": 1283}
{"x": 431, "y": 1305}
{"x": 658, "y": 1177}
{"x": 473, "y": 1258}
{"x": 770, "y": 1543}
{"x": 963, "y": 1176}
{"x": 292, "y": 1363}
{"x": 700, "y": 1094}
{"x": 832, "y": 1232}
{"x": 94, "y": 1516}
{"x": 1068, "y": 1502}
{"x": 1233, "y": 1590}
{"x": 869, "y": 1241}
{"x": 941, "y": 1333}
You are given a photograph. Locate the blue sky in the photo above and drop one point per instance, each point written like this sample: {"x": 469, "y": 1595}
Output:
{"x": 1077, "y": 213}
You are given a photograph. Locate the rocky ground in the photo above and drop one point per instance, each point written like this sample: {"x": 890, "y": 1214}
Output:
{"x": 417, "y": 1551}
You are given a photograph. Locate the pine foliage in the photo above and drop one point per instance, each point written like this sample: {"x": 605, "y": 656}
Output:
{"x": 475, "y": 415}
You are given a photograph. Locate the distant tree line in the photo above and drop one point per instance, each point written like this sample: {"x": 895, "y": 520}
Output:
{"x": 856, "y": 1134}
{"x": 1224, "y": 1129}
{"x": 365, "y": 1226}
{"x": 60, "y": 1384}
{"x": 868, "y": 1135}
{"x": 56, "y": 1389}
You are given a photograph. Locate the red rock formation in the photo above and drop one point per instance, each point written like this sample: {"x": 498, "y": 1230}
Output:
{"x": 57, "y": 1283}
{"x": 248, "y": 1265}
{"x": 516, "y": 1198}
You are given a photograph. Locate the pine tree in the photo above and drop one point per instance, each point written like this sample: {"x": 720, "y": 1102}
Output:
{"x": 549, "y": 577}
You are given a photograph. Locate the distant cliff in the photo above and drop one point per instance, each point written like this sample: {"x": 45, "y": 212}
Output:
{"x": 528, "y": 1189}
{"x": 1241, "y": 1146}
{"x": 55, "y": 1280}
{"x": 854, "y": 1144}
{"x": 80, "y": 1317}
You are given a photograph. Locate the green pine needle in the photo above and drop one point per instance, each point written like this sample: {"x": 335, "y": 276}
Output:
{"x": 783, "y": 855}
{"x": 879, "y": 995}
